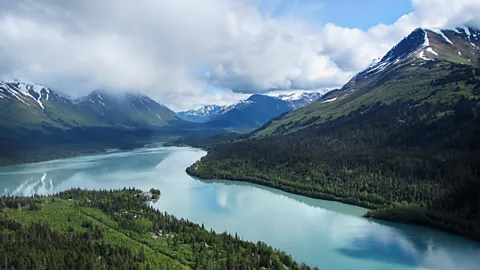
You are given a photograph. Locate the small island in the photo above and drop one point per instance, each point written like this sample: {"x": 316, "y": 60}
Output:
{"x": 153, "y": 194}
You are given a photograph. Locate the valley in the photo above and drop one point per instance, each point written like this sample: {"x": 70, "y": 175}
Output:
{"x": 240, "y": 135}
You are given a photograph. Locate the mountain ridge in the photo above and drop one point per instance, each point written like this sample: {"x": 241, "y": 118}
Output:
{"x": 248, "y": 114}
{"x": 208, "y": 112}
{"x": 413, "y": 57}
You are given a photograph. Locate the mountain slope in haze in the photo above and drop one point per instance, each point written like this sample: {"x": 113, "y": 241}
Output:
{"x": 29, "y": 106}
{"x": 37, "y": 123}
{"x": 202, "y": 114}
{"x": 127, "y": 109}
{"x": 401, "y": 137}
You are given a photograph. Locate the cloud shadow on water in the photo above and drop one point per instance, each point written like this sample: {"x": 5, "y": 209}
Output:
{"x": 370, "y": 248}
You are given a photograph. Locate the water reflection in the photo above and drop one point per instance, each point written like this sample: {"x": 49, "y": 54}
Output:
{"x": 41, "y": 178}
{"x": 323, "y": 233}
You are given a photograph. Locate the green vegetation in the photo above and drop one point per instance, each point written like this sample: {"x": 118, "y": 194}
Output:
{"x": 79, "y": 229}
{"x": 404, "y": 143}
{"x": 155, "y": 193}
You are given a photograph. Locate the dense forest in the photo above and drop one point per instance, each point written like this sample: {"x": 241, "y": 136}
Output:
{"x": 409, "y": 161}
{"x": 80, "y": 229}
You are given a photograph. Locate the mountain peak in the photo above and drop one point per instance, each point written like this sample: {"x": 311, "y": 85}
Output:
{"x": 411, "y": 43}
{"x": 461, "y": 45}
{"x": 27, "y": 91}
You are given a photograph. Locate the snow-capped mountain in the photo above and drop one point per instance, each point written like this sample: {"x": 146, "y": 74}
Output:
{"x": 206, "y": 113}
{"x": 437, "y": 56}
{"x": 28, "y": 93}
{"x": 459, "y": 45}
{"x": 29, "y": 105}
{"x": 35, "y": 106}
{"x": 202, "y": 114}
{"x": 298, "y": 100}
{"x": 250, "y": 113}
{"x": 428, "y": 69}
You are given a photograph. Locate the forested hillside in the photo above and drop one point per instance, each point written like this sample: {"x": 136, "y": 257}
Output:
{"x": 401, "y": 138}
{"x": 79, "y": 229}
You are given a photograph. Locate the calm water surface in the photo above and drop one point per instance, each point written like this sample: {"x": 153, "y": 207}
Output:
{"x": 326, "y": 234}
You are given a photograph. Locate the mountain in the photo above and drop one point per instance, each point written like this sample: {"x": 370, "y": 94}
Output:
{"x": 37, "y": 123}
{"x": 250, "y": 113}
{"x": 214, "y": 112}
{"x": 420, "y": 67}
{"x": 256, "y": 110}
{"x": 125, "y": 109}
{"x": 30, "y": 106}
{"x": 400, "y": 138}
{"x": 299, "y": 100}
{"x": 202, "y": 114}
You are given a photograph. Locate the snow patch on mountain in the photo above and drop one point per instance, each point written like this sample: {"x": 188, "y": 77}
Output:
{"x": 205, "y": 111}
{"x": 467, "y": 31}
{"x": 426, "y": 41}
{"x": 421, "y": 55}
{"x": 440, "y": 32}
{"x": 238, "y": 105}
{"x": 330, "y": 100}
{"x": 23, "y": 91}
{"x": 430, "y": 50}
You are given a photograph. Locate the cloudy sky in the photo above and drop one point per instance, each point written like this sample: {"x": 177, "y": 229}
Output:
{"x": 187, "y": 53}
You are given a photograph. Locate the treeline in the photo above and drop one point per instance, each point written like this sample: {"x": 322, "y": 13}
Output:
{"x": 204, "y": 141}
{"x": 411, "y": 161}
{"x": 79, "y": 229}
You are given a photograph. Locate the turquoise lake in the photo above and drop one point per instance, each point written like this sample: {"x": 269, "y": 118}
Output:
{"x": 320, "y": 233}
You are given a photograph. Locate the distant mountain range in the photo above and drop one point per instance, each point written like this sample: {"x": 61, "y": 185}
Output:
{"x": 33, "y": 116}
{"x": 202, "y": 114}
{"x": 250, "y": 113}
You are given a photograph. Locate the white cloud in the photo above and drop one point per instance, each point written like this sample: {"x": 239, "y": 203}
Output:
{"x": 154, "y": 47}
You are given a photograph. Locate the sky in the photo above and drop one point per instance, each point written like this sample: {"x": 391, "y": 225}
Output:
{"x": 188, "y": 53}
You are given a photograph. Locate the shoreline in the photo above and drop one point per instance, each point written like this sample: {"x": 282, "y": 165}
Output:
{"x": 374, "y": 212}
{"x": 285, "y": 189}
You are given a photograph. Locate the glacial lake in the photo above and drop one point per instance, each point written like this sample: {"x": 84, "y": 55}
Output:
{"x": 320, "y": 233}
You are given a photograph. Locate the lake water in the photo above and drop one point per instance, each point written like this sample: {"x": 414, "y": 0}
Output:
{"x": 327, "y": 234}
